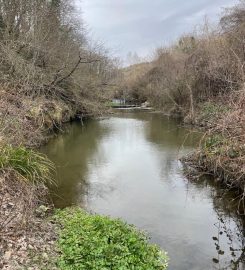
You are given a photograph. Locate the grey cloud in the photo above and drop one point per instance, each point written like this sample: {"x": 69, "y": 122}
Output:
{"x": 139, "y": 25}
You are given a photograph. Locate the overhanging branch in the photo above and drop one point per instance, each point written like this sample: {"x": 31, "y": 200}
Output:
{"x": 80, "y": 61}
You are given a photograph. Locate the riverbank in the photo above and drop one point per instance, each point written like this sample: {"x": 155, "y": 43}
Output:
{"x": 28, "y": 233}
{"x": 27, "y": 238}
{"x": 26, "y": 123}
{"x": 221, "y": 152}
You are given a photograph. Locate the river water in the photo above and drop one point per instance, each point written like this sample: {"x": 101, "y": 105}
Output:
{"x": 128, "y": 166}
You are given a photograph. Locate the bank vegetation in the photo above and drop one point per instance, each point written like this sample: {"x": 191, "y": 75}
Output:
{"x": 50, "y": 72}
{"x": 201, "y": 78}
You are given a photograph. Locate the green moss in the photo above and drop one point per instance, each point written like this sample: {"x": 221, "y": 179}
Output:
{"x": 93, "y": 242}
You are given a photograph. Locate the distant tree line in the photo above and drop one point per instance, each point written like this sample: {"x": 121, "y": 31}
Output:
{"x": 199, "y": 67}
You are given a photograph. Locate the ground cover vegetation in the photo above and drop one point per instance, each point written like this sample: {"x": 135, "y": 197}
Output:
{"x": 98, "y": 242}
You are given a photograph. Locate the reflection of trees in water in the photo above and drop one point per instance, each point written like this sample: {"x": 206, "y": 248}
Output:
{"x": 70, "y": 152}
{"x": 100, "y": 190}
{"x": 235, "y": 238}
{"x": 227, "y": 213}
{"x": 170, "y": 138}
{"x": 167, "y": 132}
{"x": 231, "y": 225}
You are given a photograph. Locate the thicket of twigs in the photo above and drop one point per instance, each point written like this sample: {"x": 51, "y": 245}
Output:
{"x": 46, "y": 58}
{"x": 222, "y": 150}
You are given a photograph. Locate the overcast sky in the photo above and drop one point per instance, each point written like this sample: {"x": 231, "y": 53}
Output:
{"x": 142, "y": 25}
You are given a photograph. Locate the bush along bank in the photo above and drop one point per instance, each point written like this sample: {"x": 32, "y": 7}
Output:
{"x": 222, "y": 149}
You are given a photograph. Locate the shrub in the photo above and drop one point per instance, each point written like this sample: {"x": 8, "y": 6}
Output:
{"x": 99, "y": 243}
{"x": 30, "y": 165}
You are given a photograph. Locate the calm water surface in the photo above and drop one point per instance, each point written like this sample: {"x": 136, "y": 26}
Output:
{"x": 127, "y": 166}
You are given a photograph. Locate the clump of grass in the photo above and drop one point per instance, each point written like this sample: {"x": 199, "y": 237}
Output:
{"x": 28, "y": 164}
{"x": 95, "y": 242}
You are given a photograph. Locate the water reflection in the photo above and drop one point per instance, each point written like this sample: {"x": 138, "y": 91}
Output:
{"x": 230, "y": 225}
{"x": 127, "y": 166}
{"x": 70, "y": 152}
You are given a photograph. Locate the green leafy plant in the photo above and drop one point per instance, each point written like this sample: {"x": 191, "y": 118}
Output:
{"x": 30, "y": 165}
{"x": 94, "y": 242}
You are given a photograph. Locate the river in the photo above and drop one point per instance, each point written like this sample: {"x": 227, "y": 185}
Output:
{"x": 128, "y": 166}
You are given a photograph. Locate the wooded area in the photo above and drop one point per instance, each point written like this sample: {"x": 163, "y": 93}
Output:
{"x": 48, "y": 64}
